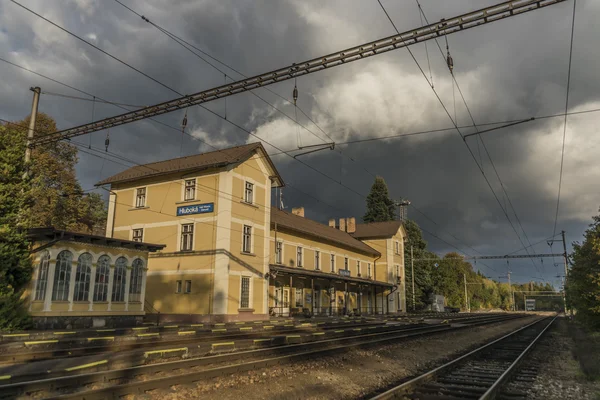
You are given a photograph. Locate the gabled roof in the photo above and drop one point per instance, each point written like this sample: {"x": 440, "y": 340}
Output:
{"x": 49, "y": 234}
{"x": 374, "y": 230}
{"x": 309, "y": 227}
{"x": 213, "y": 159}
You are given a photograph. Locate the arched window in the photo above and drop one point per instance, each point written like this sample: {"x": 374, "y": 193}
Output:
{"x": 102, "y": 276}
{"x": 42, "y": 280}
{"x": 82, "y": 277}
{"x": 118, "y": 289}
{"x": 62, "y": 276}
{"x": 135, "y": 285}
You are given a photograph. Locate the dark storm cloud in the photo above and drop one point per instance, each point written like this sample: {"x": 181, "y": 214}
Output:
{"x": 509, "y": 69}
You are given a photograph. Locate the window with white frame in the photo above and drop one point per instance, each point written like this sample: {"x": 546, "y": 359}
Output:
{"x": 368, "y": 270}
{"x": 188, "y": 286}
{"x": 346, "y": 263}
{"x": 187, "y": 237}
{"x": 135, "y": 284}
{"x": 42, "y": 281}
{"x": 397, "y": 247}
{"x": 299, "y": 257}
{"x": 398, "y": 274}
{"x": 62, "y": 276}
{"x": 140, "y": 197}
{"x": 178, "y": 287}
{"x": 317, "y": 260}
{"x": 249, "y": 193}
{"x": 278, "y": 252}
{"x": 299, "y": 299}
{"x": 119, "y": 280}
{"x": 245, "y": 292}
{"x": 137, "y": 235}
{"x": 190, "y": 189}
{"x": 332, "y": 260}
{"x": 102, "y": 276}
{"x": 358, "y": 267}
{"x": 247, "y": 239}
{"x": 83, "y": 276}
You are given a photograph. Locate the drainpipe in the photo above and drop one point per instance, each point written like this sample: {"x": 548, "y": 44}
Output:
{"x": 375, "y": 279}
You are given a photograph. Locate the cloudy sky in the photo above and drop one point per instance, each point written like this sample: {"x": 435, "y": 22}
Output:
{"x": 511, "y": 69}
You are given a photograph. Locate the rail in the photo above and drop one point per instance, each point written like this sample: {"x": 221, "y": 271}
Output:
{"x": 441, "y": 379}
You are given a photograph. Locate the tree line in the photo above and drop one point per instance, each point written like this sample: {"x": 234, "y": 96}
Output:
{"x": 435, "y": 275}
{"x": 42, "y": 193}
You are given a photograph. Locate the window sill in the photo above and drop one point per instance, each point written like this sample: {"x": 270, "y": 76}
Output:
{"x": 138, "y": 208}
{"x": 60, "y": 301}
{"x": 100, "y": 302}
{"x": 245, "y": 309}
{"x": 186, "y": 201}
{"x": 81, "y": 302}
{"x": 248, "y": 204}
{"x": 248, "y": 254}
{"x": 135, "y": 302}
{"x": 38, "y": 301}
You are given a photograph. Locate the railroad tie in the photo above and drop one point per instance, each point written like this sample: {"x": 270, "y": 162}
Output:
{"x": 165, "y": 351}
{"x": 186, "y": 332}
{"x": 224, "y": 346}
{"x": 109, "y": 338}
{"x": 219, "y": 330}
{"x": 41, "y": 342}
{"x": 262, "y": 342}
{"x": 144, "y": 335}
{"x": 246, "y": 328}
{"x": 85, "y": 366}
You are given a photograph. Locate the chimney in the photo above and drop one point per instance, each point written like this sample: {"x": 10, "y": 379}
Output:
{"x": 351, "y": 225}
{"x": 332, "y": 223}
{"x": 298, "y": 211}
{"x": 343, "y": 224}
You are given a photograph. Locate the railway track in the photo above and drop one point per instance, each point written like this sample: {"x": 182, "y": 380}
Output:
{"x": 139, "y": 379}
{"x": 76, "y": 347}
{"x": 479, "y": 374}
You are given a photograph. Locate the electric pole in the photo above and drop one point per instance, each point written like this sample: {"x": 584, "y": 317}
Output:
{"x": 34, "y": 107}
{"x": 466, "y": 297}
{"x": 510, "y": 293}
{"x": 566, "y": 272}
{"x": 412, "y": 274}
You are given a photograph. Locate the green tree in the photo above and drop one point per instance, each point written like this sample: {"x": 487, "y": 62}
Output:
{"x": 15, "y": 264}
{"x": 583, "y": 284}
{"x": 57, "y": 198}
{"x": 49, "y": 195}
{"x": 422, "y": 268}
{"x": 380, "y": 207}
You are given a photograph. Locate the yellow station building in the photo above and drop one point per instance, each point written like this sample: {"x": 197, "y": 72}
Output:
{"x": 230, "y": 255}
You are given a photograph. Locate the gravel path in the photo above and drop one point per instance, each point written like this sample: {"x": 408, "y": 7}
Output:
{"x": 345, "y": 376}
{"x": 559, "y": 376}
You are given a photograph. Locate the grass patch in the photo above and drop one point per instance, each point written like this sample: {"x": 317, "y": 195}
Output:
{"x": 586, "y": 350}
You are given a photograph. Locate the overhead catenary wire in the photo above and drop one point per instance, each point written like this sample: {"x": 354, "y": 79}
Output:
{"x": 562, "y": 155}
{"x": 183, "y": 43}
{"x": 450, "y": 63}
{"x": 217, "y": 115}
{"x": 456, "y": 126}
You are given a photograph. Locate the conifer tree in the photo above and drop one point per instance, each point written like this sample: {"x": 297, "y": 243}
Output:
{"x": 380, "y": 207}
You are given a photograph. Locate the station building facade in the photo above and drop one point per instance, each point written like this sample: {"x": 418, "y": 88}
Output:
{"x": 229, "y": 255}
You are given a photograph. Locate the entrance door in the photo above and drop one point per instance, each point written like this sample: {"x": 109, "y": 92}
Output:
{"x": 282, "y": 302}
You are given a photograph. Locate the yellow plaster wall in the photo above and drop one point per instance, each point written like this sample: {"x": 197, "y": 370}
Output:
{"x": 81, "y": 306}
{"x": 309, "y": 245}
{"x": 161, "y": 293}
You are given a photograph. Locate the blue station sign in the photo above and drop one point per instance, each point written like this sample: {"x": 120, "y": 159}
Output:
{"x": 196, "y": 209}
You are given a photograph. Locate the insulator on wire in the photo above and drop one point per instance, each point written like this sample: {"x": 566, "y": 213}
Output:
{"x": 106, "y": 141}
{"x": 295, "y": 94}
{"x": 450, "y": 62}
{"x": 184, "y": 122}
